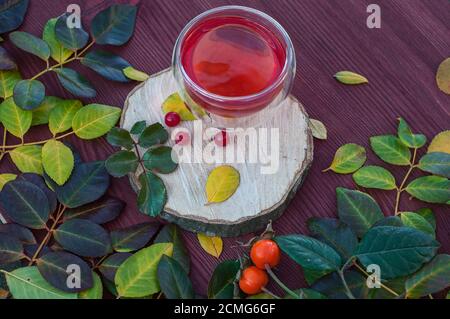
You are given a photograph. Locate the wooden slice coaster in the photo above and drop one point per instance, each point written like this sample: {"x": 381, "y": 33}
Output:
{"x": 259, "y": 198}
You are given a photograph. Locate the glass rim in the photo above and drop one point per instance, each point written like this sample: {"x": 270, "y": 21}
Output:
{"x": 285, "y": 37}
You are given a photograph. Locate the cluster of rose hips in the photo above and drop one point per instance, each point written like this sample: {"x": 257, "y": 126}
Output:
{"x": 264, "y": 254}
{"x": 172, "y": 119}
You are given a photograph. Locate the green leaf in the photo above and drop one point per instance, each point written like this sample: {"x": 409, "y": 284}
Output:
{"x": 433, "y": 277}
{"x": 159, "y": 159}
{"x": 100, "y": 212}
{"x": 153, "y": 135}
{"x": 54, "y": 268}
{"x": 75, "y": 83}
{"x": 332, "y": 286}
{"x": 399, "y": 251}
{"x": 221, "y": 284}
{"x": 348, "y": 158}
{"x": 8, "y": 80}
{"x": 28, "y": 159}
{"x": 428, "y": 214}
{"x": 311, "y": 275}
{"x": 358, "y": 210}
{"x": 137, "y": 275}
{"x": 23, "y": 234}
{"x": 58, "y": 161}
{"x": 60, "y": 118}
{"x": 374, "y": 177}
{"x": 436, "y": 163}
{"x": 134, "y": 237}
{"x": 350, "y": 78}
{"x": 430, "y": 189}
{"x": 96, "y": 292}
{"x": 84, "y": 238}
{"x": 418, "y": 222}
{"x": 29, "y": 94}
{"x": 41, "y": 114}
{"x": 25, "y": 203}
{"x": 88, "y": 182}
{"x": 30, "y": 44}
{"x": 14, "y": 119}
{"x": 389, "y": 221}
{"x": 109, "y": 267}
{"x": 120, "y": 137}
{"x": 309, "y": 252}
{"x": 5, "y": 178}
{"x": 318, "y": 129}
{"x": 391, "y": 150}
{"x": 408, "y": 138}
{"x": 38, "y": 181}
{"x": 28, "y": 283}
{"x": 114, "y": 25}
{"x": 122, "y": 163}
{"x": 134, "y": 74}
{"x": 138, "y": 127}
{"x": 172, "y": 234}
{"x": 95, "y": 120}
{"x": 6, "y": 61}
{"x": 12, "y": 14}
{"x": 11, "y": 249}
{"x": 106, "y": 64}
{"x": 57, "y": 51}
{"x": 335, "y": 234}
{"x": 174, "y": 282}
{"x": 70, "y": 38}
{"x": 153, "y": 195}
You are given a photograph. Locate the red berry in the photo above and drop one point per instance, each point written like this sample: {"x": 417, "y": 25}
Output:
{"x": 172, "y": 119}
{"x": 182, "y": 138}
{"x": 221, "y": 139}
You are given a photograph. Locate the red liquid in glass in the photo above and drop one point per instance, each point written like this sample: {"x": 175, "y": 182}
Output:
{"x": 232, "y": 57}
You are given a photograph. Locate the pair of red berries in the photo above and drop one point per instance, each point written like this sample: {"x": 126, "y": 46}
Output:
{"x": 264, "y": 253}
{"x": 172, "y": 119}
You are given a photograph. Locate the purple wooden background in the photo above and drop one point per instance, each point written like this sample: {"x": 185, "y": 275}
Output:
{"x": 400, "y": 61}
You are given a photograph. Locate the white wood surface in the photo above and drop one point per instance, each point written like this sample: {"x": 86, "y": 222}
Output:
{"x": 257, "y": 195}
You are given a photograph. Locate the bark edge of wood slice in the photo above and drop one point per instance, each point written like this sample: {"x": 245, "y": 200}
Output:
{"x": 259, "y": 198}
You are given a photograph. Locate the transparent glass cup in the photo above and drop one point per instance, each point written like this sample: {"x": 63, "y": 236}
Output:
{"x": 224, "y": 111}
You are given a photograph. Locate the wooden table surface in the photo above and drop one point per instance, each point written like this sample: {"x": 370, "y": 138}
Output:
{"x": 400, "y": 61}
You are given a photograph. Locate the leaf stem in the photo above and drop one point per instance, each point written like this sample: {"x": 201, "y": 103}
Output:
{"x": 400, "y": 189}
{"x": 60, "y": 64}
{"x": 139, "y": 157}
{"x": 39, "y": 142}
{"x": 267, "y": 291}
{"x": 97, "y": 264}
{"x": 340, "y": 272}
{"x": 280, "y": 283}
{"x": 381, "y": 284}
{"x": 48, "y": 235}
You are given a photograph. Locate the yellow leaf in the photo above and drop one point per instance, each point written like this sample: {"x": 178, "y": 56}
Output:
{"x": 134, "y": 74}
{"x": 443, "y": 76}
{"x": 318, "y": 129}
{"x": 221, "y": 184}
{"x": 28, "y": 158}
{"x": 174, "y": 103}
{"x": 440, "y": 143}
{"x": 5, "y": 178}
{"x": 350, "y": 78}
{"x": 212, "y": 245}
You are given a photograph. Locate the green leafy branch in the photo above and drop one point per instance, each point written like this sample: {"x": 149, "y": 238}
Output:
{"x": 152, "y": 196}
{"x": 71, "y": 217}
{"x": 25, "y": 104}
{"x": 336, "y": 256}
